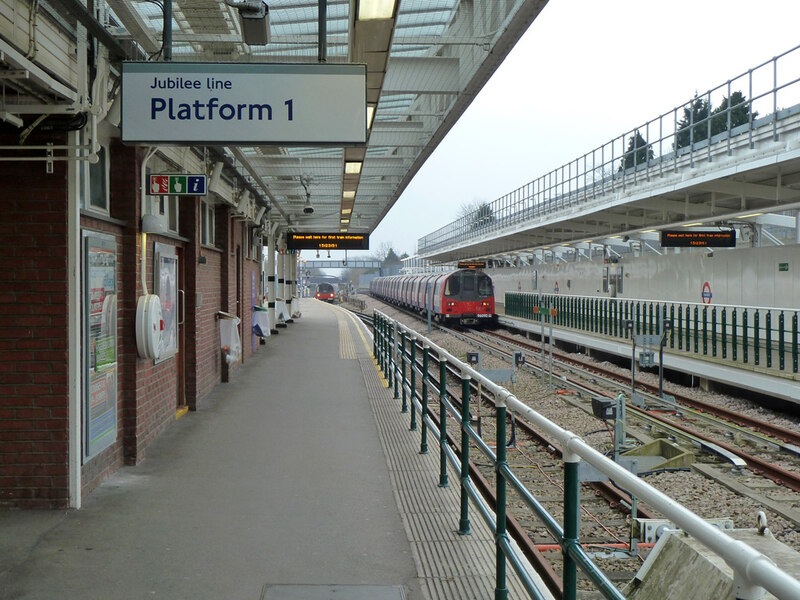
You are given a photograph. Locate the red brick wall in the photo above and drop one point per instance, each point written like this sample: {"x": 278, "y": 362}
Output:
{"x": 34, "y": 403}
{"x": 205, "y": 361}
{"x": 33, "y": 335}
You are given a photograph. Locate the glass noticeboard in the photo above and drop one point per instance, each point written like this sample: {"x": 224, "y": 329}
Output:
{"x": 99, "y": 295}
{"x": 166, "y": 287}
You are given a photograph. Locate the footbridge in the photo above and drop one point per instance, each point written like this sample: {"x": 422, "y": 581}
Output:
{"x": 728, "y": 158}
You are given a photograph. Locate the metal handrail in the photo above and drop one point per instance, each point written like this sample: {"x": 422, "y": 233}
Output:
{"x": 753, "y": 571}
{"x": 608, "y": 168}
{"x": 776, "y": 331}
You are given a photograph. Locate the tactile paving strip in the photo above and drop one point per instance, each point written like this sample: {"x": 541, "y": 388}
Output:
{"x": 450, "y": 566}
{"x": 346, "y": 348}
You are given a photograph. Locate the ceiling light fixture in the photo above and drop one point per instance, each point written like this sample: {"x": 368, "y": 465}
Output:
{"x": 370, "y": 10}
{"x": 692, "y": 224}
{"x": 753, "y": 215}
{"x": 352, "y": 168}
{"x": 370, "y": 115}
{"x": 349, "y": 194}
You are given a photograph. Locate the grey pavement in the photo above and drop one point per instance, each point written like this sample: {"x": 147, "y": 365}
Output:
{"x": 277, "y": 481}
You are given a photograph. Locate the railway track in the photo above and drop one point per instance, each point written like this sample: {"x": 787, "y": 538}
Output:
{"x": 537, "y": 459}
{"x": 542, "y": 461}
{"x": 762, "y": 465}
{"x": 792, "y": 438}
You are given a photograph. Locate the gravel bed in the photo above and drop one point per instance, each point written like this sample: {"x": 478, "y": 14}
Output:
{"x": 701, "y": 495}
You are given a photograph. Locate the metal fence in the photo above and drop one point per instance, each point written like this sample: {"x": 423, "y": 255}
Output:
{"x": 416, "y": 369}
{"x": 759, "y": 336}
{"x": 729, "y": 116}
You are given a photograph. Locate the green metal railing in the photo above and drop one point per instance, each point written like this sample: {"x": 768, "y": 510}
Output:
{"x": 761, "y": 336}
{"x": 397, "y": 360}
{"x": 397, "y": 350}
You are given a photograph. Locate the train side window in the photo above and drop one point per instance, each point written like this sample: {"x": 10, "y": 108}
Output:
{"x": 605, "y": 280}
{"x": 619, "y": 280}
{"x": 535, "y": 280}
{"x": 451, "y": 286}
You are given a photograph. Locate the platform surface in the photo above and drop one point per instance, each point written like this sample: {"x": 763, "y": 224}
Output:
{"x": 298, "y": 476}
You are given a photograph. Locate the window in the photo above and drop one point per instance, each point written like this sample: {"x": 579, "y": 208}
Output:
{"x": 605, "y": 280}
{"x": 207, "y": 223}
{"x": 484, "y": 286}
{"x": 255, "y": 247}
{"x": 94, "y": 182}
{"x": 535, "y": 281}
{"x": 468, "y": 282}
{"x": 451, "y": 286}
{"x": 168, "y": 209}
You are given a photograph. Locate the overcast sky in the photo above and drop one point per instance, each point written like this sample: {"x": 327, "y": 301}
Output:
{"x": 586, "y": 71}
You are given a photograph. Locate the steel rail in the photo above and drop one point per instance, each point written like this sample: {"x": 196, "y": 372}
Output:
{"x": 791, "y": 437}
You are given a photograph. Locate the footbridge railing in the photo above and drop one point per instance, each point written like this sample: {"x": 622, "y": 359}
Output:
{"x": 734, "y": 115}
{"x": 416, "y": 368}
{"x": 749, "y": 335}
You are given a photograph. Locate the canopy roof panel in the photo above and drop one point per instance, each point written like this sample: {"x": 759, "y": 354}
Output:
{"x": 424, "y": 67}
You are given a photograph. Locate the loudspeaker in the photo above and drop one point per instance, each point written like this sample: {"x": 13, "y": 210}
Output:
{"x": 216, "y": 177}
{"x": 244, "y": 202}
{"x": 260, "y": 214}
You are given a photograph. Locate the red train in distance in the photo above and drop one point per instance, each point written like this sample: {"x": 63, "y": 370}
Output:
{"x": 325, "y": 291}
{"x": 463, "y": 296}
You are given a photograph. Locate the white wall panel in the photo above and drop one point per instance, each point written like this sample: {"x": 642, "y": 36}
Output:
{"x": 741, "y": 277}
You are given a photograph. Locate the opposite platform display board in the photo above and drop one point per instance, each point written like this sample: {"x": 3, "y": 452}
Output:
{"x": 244, "y": 103}
{"x": 472, "y": 264}
{"x": 327, "y": 241}
{"x": 688, "y": 239}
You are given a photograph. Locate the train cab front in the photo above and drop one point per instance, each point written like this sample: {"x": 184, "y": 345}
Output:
{"x": 479, "y": 313}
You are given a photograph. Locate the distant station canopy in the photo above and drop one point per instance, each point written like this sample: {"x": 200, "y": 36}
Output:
{"x": 472, "y": 264}
{"x": 327, "y": 241}
{"x": 687, "y": 239}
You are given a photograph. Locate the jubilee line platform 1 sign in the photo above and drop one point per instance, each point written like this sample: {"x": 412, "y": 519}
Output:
{"x": 244, "y": 103}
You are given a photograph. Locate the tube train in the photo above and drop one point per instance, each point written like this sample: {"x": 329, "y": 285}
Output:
{"x": 464, "y": 296}
{"x": 325, "y": 292}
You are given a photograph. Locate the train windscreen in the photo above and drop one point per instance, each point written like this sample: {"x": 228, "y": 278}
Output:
{"x": 469, "y": 285}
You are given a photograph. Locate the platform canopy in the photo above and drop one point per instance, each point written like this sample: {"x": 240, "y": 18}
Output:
{"x": 425, "y": 62}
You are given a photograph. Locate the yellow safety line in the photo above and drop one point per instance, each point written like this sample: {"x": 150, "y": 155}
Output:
{"x": 367, "y": 346}
{"x": 346, "y": 348}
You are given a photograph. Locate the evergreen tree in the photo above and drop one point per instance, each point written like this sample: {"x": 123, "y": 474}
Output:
{"x": 638, "y": 153}
{"x": 739, "y": 113}
{"x": 696, "y": 119}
